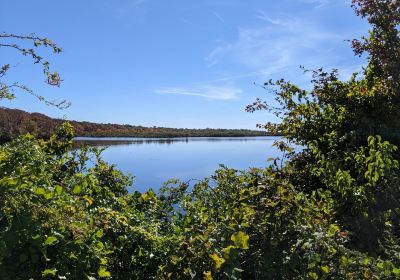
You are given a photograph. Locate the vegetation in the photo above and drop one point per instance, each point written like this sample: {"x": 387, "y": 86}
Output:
{"x": 330, "y": 211}
{"x": 9, "y": 89}
{"x": 14, "y": 123}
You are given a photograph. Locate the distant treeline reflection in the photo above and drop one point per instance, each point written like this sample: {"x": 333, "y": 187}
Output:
{"x": 100, "y": 142}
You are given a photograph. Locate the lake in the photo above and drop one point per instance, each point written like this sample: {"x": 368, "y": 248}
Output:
{"x": 154, "y": 161}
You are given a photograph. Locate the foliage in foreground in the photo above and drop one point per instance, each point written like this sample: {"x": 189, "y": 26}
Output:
{"x": 61, "y": 219}
{"x": 330, "y": 212}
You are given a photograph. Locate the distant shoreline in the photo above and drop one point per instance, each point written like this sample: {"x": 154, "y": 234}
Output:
{"x": 130, "y": 139}
{"x": 123, "y": 138}
{"x": 115, "y": 141}
{"x": 14, "y": 122}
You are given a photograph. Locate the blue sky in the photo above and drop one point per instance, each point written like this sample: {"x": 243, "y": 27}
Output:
{"x": 176, "y": 63}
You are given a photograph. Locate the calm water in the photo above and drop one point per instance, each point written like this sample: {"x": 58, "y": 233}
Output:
{"x": 154, "y": 161}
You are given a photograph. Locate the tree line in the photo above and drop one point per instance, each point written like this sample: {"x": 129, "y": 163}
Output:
{"x": 14, "y": 123}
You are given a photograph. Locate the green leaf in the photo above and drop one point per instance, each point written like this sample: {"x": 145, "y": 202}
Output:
{"x": 396, "y": 271}
{"x": 100, "y": 245}
{"x": 77, "y": 189}
{"x": 313, "y": 275}
{"x": 48, "y": 195}
{"x": 227, "y": 251}
{"x": 50, "y": 240}
{"x": 333, "y": 229}
{"x": 49, "y": 272}
{"x": 103, "y": 273}
{"x": 37, "y": 236}
{"x": 99, "y": 233}
{"x": 59, "y": 190}
{"x": 241, "y": 240}
{"x": 325, "y": 269}
{"x": 40, "y": 191}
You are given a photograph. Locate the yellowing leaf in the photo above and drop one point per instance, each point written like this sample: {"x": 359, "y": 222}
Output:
{"x": 367, "y": 273}
{"x": 343, "y": 261}
{"x": 103, "y": 273}
{"x": 241, "y": 240}
{"x": 3, "y": 156}
{"x": 313, "y": 275}
{"x": 325, "y": 269}
{"x": 217, "y": 260}
{"x": 207, "y": 275}
{"x": 333, "y": 229}
{"x": 89, "y": 201}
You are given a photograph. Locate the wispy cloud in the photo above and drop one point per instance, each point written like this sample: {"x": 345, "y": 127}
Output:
{"x": 283, "y": 21}
{"x": 211, "y": 92}
{"x": 279, "y": 43}
{"x": 219, "y": 17}
{"x": 317, "y": 3}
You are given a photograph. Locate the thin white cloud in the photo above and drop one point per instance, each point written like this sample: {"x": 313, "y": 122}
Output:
{"x": 277, "y": 44}
{"x": 211, "y": 92}
{"x": 287, "y": 22}
{"x": 317, "y": 3}
{"x": 219, "y": 17}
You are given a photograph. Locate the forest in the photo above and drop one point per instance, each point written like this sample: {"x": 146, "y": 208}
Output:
{"x": 14, "y": 123}
{"x": 329, "y": 211}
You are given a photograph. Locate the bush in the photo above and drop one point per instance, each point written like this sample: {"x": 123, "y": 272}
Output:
{"x": 331, "y": 211}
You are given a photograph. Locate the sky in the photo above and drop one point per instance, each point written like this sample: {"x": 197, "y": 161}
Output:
{"x": 176, "y": 63}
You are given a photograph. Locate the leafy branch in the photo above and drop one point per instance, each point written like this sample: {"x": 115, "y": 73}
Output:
{"x": 8, "y": 89}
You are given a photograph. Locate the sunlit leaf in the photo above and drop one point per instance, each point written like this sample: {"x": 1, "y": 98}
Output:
{"x": 49, "y": 272}
{"x": 103, "y": 273}
{"x": 218, "y": 261}
{"x": 241, "y": 240}
{"x": 50, "y": 240}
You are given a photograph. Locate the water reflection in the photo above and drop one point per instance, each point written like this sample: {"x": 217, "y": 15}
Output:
{"x": 111, "y": 141}
{"x": 154, "y": 161}
{"x": 79, "y": 143}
